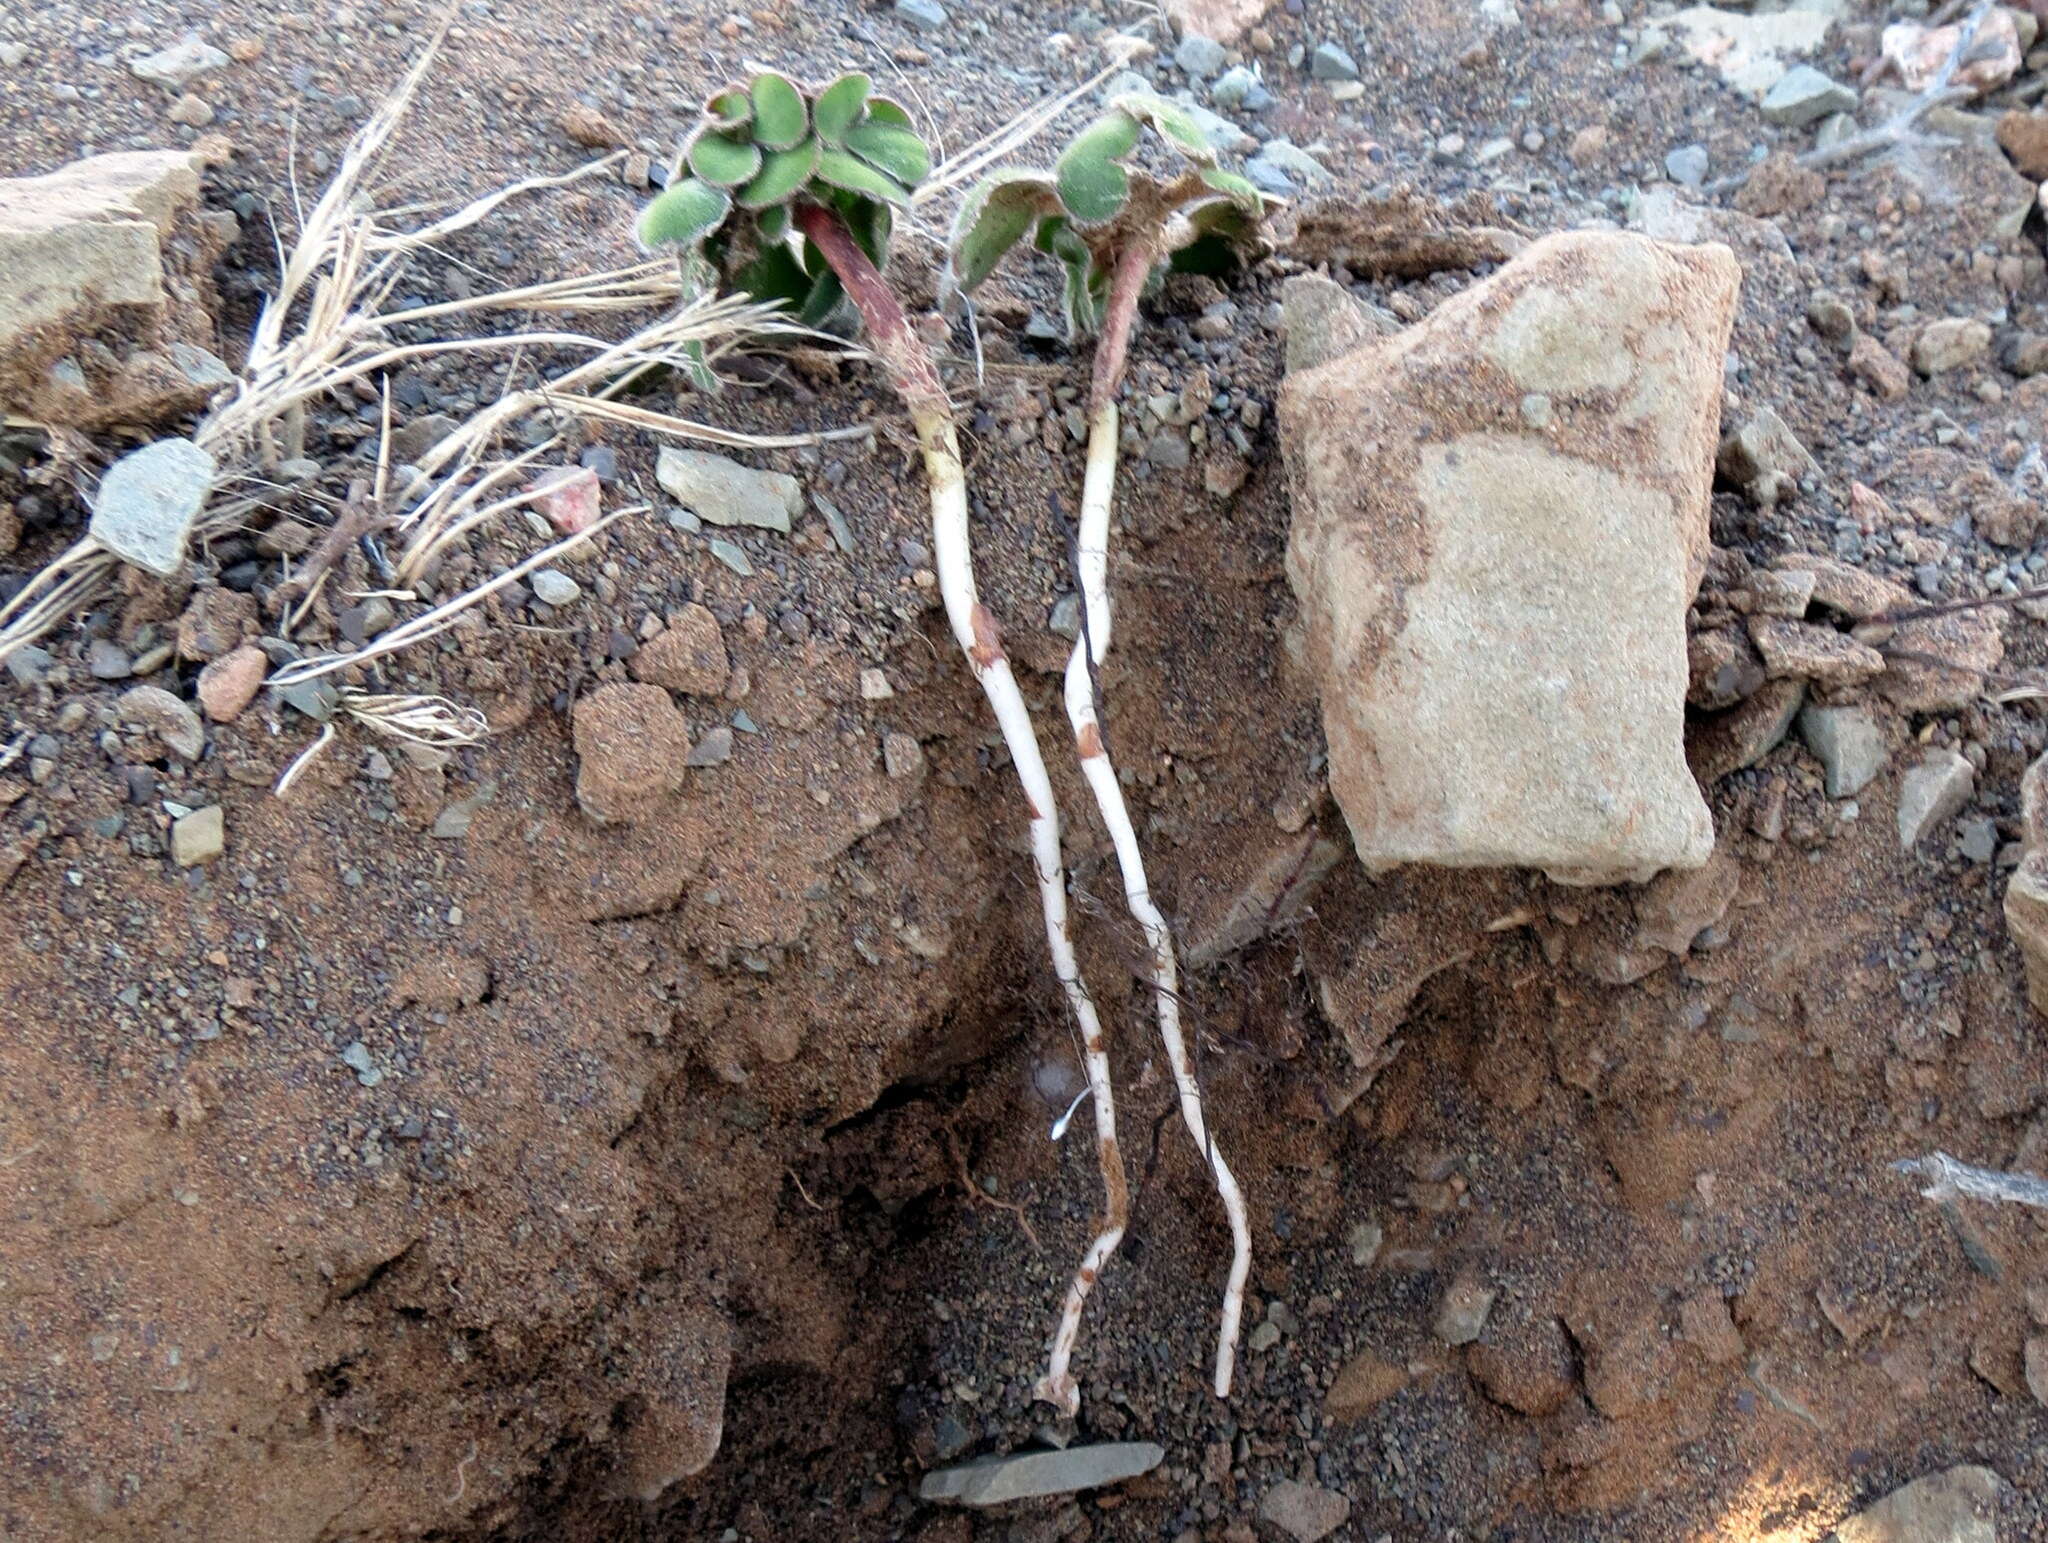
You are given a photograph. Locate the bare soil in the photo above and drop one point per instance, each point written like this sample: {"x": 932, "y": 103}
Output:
{"x": 717, "y": 1082}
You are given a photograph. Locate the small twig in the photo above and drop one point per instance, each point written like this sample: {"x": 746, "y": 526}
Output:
{"x": 1947, "y": 1177}
{"x": 976, "y": 1195}
{"x": 303, "y": 760}
{"x": 801, "y": 1191}
{"x": 461, "y": 1477}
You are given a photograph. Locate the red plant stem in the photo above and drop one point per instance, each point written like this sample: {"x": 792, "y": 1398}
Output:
{"x": 1125, "y": 285}
{"x": 900, "y": 348}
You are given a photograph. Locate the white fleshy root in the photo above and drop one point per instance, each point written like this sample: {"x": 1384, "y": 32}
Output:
{"x": 1089, "y": 652}
{"x": 976, "y": 632}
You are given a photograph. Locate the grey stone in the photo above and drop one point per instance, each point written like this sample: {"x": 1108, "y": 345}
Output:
{"x": 29, "y": 664}
{"x": 1065, "y": 618}
{"x": 107, "y": 660}
{"x": 723, "y": 492}
{"x": 1233, "y": 88}
{"x": 1461, "y": 1316}
{"x": 1268, "y": 178}
{"x": 1323, "y": 321}
{"x": 714, "y": 749}
{"x": 924, "y": 15}
{"x": 1957, "y": 1505}
{"x": 1305, "y": 1512}
{"x": 1524, "y": 713}
{"x": 1028, "y": 1475}
{"x": 1803, "y": 95}
{"x": 1291, "y": 161}
{"x": 176, "y": 67}
{"x": 356, "y": 1057}
{"x": 1687, "y": 165}
{"x": 1848, "y": 743}
{"x": 1200, "y": 57}
{"x": 1224, "y": 136}
{"x": 553, "y": 587}
{"x": 1329, "y": 62}
{"x": 1980, "y": 839}
{"x": 147, "y": 501}
{"x": 1169, "y": 449}
{"x": 155, "y": 711}
{"x": 1932, "y": 793}
{"x": 198, "y": 837}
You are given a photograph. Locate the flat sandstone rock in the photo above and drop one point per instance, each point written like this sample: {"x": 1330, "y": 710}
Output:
{"x": 1499, "y": 518}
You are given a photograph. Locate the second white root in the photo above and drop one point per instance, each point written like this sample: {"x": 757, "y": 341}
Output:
{"x": 975, "y": 629}
{"x": 1093, "y": 562}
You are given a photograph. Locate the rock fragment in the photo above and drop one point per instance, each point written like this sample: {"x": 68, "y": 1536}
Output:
{"x": 1932, "y": 793}
{"x": 720, "y": 491}
{"x": 1408, "y": 493}
{"x": 147, "y": 502}
{"x": 1957, "y": 1505}
{"x": 632, "y": 743}
{"x": 1029, "y": 1475}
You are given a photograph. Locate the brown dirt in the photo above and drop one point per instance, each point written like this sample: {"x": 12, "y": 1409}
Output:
{"x": 652, "y": 1096}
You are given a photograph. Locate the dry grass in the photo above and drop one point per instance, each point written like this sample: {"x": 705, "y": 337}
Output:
{"x": 327, "y": 330}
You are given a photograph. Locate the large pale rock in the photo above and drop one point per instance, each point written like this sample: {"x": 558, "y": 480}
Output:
{"x": 85, "y": 237}
{"x": 2026, "y": 895}
{"x": 1957, "y": 1505}
{"x": 105, "y": 291}
{"x": 1499, "y": 518}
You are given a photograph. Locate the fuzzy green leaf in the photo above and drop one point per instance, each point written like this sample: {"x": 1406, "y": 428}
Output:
{"x": 683, "y": 214}
{"x": 1238, "y": 190}
{"x": 782, "y": 174}
{"x": 839, "y": 106}
{"x": 841, "y": 170}
{"x": 1092, "y": 186}
{"x": 882, "y": 109}
{"x": 775, "y": 275}
{"x": 896, "y": 151}
{"x": 823, "y": 301}
{"x": 1085, "y": 295}
{"x": 995, "y": 217}
{"x": 1174, "y": 124}
{"x": 732, "y": 109}
{"x": 723, "y": 162}
{"x": 773, "y": 224}
{"x": 780, "y": 118}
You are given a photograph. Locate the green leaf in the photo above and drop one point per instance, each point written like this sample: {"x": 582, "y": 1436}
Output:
{"x": 723, "y": 162}
{"x": 780, "y": 118}
{"x": 733, "y": 109}
{"x": 1092, "y": 186}
{"x": 1174, "y": 124}
{"x": 682, "y": 214}
{"x": 698, "y": 367}
{"x": 839, "y": 106}
{"x": 782, "y": 174}
{"x": 995, "y": 217}
{"x": 841, "y": 170}
{"x": 882, "y": 109}
{"x": 1085, "y": 295}
{"x": 824, "y": 300}
{"x": 1238, "y": 190}
{"x": 775, "y": 275}
{"x": 896, "y": 151}
{"x": 773, "y": 224}
{"x": 871, "y": 221}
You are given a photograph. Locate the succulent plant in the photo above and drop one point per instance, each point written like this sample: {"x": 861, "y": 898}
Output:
{"x": 1092, "y": 207}
{"x": 763, "y": 149}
